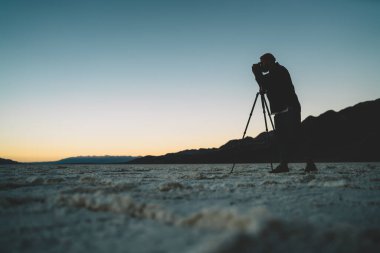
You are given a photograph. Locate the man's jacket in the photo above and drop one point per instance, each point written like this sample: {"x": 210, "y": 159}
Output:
{"x": 279, "y": 88}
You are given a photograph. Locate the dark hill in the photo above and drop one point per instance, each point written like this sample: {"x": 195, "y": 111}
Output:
{"x": 7, "y": 161}
{"x": 351, "y": 134}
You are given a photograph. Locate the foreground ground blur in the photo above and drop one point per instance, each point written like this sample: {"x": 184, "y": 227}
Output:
{"x": 189, "y": 208}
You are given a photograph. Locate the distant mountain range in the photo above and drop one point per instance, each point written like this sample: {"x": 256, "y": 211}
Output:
{"x": 350, "y": 135}
{"x": 96, "y": 159}
{"x": 84, "y": 160}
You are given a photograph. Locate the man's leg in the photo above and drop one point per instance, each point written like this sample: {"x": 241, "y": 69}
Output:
{"x": 288, "y": 126}
{"x": 293, "y": 134}
{"x": 307, "y": 152}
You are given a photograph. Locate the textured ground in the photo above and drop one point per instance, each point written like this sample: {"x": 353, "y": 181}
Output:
{"x": 189, "y": 208}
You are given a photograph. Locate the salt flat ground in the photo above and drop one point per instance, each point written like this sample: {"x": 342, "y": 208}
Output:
{"x": 189, "y": 208}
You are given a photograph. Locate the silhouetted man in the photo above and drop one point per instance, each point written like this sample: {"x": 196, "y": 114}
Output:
{"x": 284, "y": 104}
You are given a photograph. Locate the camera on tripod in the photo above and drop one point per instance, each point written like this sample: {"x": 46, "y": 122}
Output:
{"x": 258, "y": 66}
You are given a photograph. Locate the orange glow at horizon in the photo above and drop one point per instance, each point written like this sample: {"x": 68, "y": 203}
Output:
{"x": 53, "y": 151}
{"x": 43, "y": 155}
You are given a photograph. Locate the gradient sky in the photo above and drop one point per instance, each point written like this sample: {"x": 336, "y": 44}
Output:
{"x": 150, "y": 77}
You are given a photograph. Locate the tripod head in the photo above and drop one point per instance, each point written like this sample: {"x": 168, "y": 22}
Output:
{"x": 262, "y": 91}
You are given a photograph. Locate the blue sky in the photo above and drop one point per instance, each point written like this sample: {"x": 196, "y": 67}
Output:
{"x": 151, "y": 77}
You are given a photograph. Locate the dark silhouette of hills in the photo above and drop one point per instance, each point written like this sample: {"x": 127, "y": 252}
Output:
{"x": 350, "y": 135}
{"x": 7, "y": 161}
{"x": 95, "y": 159}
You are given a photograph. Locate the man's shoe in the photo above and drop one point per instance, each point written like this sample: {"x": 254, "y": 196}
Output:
{"x": 310, "y": 167}
{"x": 280, "y": 169}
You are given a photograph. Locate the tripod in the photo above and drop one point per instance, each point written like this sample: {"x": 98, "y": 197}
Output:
{"x": 264, "y": 105}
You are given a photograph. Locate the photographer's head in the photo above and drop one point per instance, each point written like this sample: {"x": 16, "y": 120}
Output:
{"x": 267, "y": 61}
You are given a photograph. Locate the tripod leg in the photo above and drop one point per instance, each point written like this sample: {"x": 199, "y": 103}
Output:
{"x": 267, "y": 108}
{"x": 266, "y": 124}
{"x": 250, "y": 115}
{"x": 246, "y": 127}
